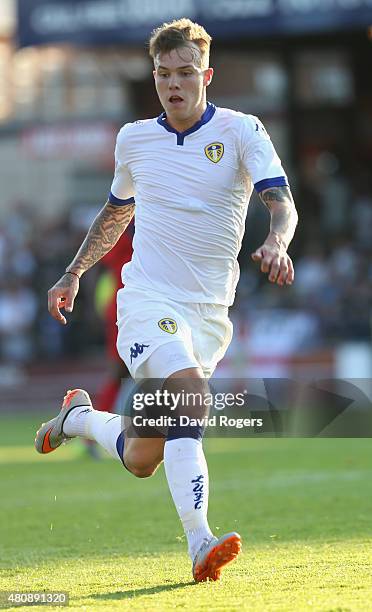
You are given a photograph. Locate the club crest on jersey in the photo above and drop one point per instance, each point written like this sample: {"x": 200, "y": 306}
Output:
{"x": 214, "y": 151}
{"x": 168, "y": 325}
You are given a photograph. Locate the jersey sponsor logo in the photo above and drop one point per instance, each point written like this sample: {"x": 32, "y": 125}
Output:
{"x": 137, "y": 349}
{"x": 214, "y": 151}
{"x": 168, "y": 325}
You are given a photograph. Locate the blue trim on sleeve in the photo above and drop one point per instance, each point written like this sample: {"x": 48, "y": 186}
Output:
{"x": 114, "y": 200}
{"x": 278, "y": 181}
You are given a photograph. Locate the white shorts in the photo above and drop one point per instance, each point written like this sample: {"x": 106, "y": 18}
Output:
{"x": 158, "y": 336}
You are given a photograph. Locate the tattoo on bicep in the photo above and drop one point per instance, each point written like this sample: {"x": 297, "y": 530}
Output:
{"x": 283, "y": 213}
{"x": 276, "y": 194}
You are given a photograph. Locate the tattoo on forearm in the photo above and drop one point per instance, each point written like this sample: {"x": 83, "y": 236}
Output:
{"x": 103, "y": 234}
{"x": 283, "y": 212}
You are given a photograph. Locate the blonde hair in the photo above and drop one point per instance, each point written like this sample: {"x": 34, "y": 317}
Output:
{"x": 177, "y": 34}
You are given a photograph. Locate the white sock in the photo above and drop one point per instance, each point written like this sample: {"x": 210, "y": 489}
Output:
{"x": 187, "y": 474}
{"x": 103, "y": 427}
{"x": 74, "y": 424}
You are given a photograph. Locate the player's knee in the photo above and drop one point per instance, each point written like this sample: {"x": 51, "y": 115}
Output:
{"x": 190, "y": 384}
{"x": 138, "y": 467}
{"x": 141, "y": 471}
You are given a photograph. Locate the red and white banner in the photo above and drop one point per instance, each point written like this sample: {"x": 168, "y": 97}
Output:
{"x": 78, "y": 140}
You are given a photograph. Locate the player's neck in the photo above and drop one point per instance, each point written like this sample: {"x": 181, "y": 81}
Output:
{"x": 183, "y": 125}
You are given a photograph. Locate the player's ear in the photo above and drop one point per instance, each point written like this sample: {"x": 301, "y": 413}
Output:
{"x": 208, "y": 75}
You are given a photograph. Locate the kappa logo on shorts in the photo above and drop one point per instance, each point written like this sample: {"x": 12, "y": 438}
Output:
{"x": 214, "y": 151}
{"x": 168, "y": 325}
{"x": 136, "y": 350}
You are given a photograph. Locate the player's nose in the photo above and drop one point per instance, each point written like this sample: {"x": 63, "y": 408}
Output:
{"x": 174, "y": 82}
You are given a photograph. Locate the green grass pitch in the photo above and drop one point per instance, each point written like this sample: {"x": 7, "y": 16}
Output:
{"x": 114, "y": 542}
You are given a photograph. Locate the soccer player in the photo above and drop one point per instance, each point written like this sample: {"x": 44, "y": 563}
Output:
{"x": 189, "y": 174}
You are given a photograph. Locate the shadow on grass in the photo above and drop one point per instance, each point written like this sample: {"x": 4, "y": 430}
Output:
{"x": 137, "y": 592}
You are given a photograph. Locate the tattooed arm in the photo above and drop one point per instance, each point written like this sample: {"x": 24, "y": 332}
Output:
{"x": 103, "y": 234}
{"x": 273, "y": 254}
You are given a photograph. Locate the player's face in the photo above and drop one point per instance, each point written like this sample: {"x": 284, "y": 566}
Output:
{"x": 181, "y": 85}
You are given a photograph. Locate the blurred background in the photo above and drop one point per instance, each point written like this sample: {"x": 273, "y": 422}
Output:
{"x": 73, "y": 71}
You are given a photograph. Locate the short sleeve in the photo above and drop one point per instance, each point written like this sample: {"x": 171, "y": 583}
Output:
{"x": 259, "y": 156}
{"x": 122, "y": 189}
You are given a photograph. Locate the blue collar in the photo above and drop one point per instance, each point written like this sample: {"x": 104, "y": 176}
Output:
{"x": 206, "y": 116}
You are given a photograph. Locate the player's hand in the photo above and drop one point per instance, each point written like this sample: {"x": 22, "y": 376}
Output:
{"x": 62, "y": 295}
{"x": 275, "y": 262}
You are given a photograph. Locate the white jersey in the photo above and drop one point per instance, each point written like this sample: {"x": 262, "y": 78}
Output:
{"x": 191, "y": 191}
